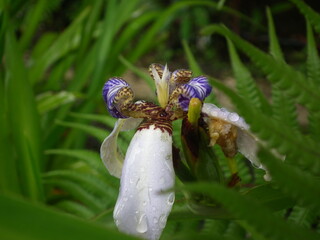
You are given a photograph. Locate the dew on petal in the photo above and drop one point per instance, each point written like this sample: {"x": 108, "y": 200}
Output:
{"x": 162, "y": 220}
{"x": 117, "y": 222}
{"x": 170, "y": 200}
{"x": 233, "y": 117}
{"x": 142, "y": 226}
{"x": 155, "y": 220}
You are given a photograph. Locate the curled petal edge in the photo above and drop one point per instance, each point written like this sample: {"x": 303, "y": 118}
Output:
{"x": 112, "y": 159}
{"x": 247, "y": 143}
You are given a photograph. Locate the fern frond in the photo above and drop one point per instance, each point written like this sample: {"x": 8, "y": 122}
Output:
{"x": 75, "y": 208}
{"x": 302, "y": 216}
{"x": 282, "y": 105}
{"x": 313, "y": 73}
{"x": 78, "y": 193}
{"x": 313, "y": 61}
{"x": 297, "y": 184}
{"x": 284, "y": 108}
{"x": 246, "y": 85}
{"x": 275, "y": 134}
{"x": 253, "y": 213}
{"x": 274, "y": 47}
{"x": 89, "y": 181}
{"x": 309, "y": 13}
{"x": 234, "y": 231}
{"x": 91, "y": 158}
{"x": 288, "y": 79}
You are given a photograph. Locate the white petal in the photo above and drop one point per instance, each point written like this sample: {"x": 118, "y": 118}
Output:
{"x": 145, "y": 201}
{"x": 247, "y": 143}
{"x": 221, "y": 113}
{"x": 109, "y": 154}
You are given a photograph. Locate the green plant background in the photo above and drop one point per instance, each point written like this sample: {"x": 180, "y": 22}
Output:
{"x": 55, "y": 58}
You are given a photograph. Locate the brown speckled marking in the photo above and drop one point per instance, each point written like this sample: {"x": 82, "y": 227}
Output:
{"x": 158, "y": 67}
{"x": 164, "y": 126}
{"x": 182, "y": 76}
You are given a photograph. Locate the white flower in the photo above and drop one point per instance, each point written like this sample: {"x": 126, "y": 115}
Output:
{"x": 147, "y": 178}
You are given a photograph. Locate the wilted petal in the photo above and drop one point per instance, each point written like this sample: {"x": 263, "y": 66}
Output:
{"x": 109, "y": 92}
{"x": 145, "y": 199}
{"x": 247, "y": 144}
{"x": 110, "y": 156}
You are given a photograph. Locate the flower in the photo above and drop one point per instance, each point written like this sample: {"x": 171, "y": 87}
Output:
{"x": 147, "y": 175}
{"x": 231, "y": 132}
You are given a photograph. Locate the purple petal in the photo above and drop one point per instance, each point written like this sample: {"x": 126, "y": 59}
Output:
{"x": 197, "y": 88}
{"x": 109, "y": 92}
{"x": 201, "y": 86}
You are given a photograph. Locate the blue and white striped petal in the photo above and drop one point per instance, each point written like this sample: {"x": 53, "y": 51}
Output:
{"x": 198, "y": 87}
{"x": 109, "y": 92}
{"x": 201, "y": 86}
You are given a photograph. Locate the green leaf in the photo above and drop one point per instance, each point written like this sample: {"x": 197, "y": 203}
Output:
{"x": 269, "y": 196}
{"x": 246, "y": 85}
{"x": 86, "y": 180}
{"x": 313, "y": 73}
{"x": 274, "y": 48}
{"x": 24, "y": 120}
{"x": 309, "y": 13}
{"x": 105, "y": 119}
{"x": 78, "y": 193}
{"x": 21, "y": 220}
{"x": 297, "y": 184}
{"x": 31, "y": 22}
{"x": 194, "y": 66}
{"x": 276, "y": 134}
{"x": 94, "y": 131}
{"x": 260, "y": 219}
{"x": 91, "y": 158}
{"x": 66, "y": 42}
{"x": 75, "y": 208}
{"x": 48, "y": 101}
{"x": 283, "y": 106}
{"x": 289, "y": 80}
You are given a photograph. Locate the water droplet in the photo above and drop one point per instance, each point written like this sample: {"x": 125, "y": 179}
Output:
{"x": 162, "y": 220}
{"x": 117, "y": 222}
{"x": 171, "y": 199}
{"x": 131, "y": 180}
{"x": 150, "y": 189}
{"x": 125, "y": 199}
{"x": 155, "y": 220}
{"x": 233, "y": 117}
{"x": 142, "y": 226}
{"x": 144, "y": 203}
{"x": 154, "y": 208}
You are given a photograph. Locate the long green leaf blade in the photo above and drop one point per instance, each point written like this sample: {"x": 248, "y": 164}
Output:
{"x": 20, "y": 220}
{"x": 24, "y": 120}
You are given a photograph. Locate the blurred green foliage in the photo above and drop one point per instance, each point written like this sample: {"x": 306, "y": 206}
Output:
{"x": 55, "y": 58}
